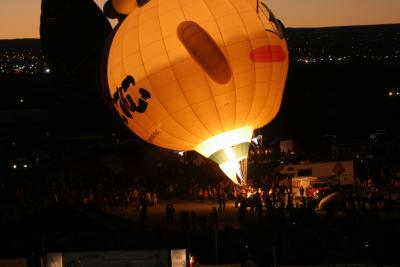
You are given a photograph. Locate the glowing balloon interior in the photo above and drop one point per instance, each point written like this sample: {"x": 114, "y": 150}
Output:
{"x": 198, "y": 75}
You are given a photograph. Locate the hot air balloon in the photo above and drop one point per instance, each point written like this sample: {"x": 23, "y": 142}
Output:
{"x": 198, "y": 75}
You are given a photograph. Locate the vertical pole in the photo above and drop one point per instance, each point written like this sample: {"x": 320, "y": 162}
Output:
{"x": 273, "y": 254}
{"x": 44, "y": 254}
{"x": 216, "y": 245}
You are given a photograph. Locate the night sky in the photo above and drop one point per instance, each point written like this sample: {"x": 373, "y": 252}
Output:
{"x": 20, "y": 19}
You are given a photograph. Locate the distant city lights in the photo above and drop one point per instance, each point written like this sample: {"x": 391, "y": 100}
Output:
{"x": 20, "y": 163}
{"x": 318, "y": 50}
{"x": 21, "y": 62}
{"x": 394, "y": 93}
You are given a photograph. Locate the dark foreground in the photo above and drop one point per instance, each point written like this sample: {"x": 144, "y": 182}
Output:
{"x": 298, "y": 236}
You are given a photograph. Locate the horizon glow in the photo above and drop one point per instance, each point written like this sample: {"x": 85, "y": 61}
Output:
{"x": 21, "y": 19}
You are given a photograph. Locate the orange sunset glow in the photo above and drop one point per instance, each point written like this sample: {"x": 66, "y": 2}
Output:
{"x": 20, "y": 19}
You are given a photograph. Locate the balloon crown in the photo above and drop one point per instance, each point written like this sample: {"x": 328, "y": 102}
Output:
{"x": 121, "y": 8}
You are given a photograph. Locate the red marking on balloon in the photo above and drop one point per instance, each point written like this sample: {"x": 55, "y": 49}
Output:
{"x": 268, "y": 53}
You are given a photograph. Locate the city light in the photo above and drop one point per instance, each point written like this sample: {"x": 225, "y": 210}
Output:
{"x": 26, "y": 62}
{"x": 394, "y": 93}
{"x": 21, "y": 61}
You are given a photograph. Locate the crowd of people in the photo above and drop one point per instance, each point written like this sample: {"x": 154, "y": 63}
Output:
{"x": 168, "y": 182}
{"x": 268, "y": 214}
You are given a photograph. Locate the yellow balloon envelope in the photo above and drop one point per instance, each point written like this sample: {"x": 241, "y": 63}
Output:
{"x": 199, "y": 75}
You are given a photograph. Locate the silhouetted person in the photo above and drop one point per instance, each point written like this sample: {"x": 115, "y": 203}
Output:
{"x": 182, "y": 220}
{"x": 170, "y": 210}
{"x": 143, "y": 208}
{"x": 258, "y": 205}
{"x": 214, "y": 217}
{"x": 289, "y": 201}
{"x": 194, "y": 220}
{"x": 301, "y": 191}
{"x": 203, "y": 222}
{"x": 219, "y": 197}
{"x": 242, "y": 212}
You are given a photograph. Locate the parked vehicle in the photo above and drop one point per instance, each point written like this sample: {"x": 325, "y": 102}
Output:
{"x": 314, "y": 187}
{"x": 334, "y": 172}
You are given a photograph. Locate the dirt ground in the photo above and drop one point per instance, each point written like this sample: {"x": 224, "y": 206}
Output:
{"x": 156, "y": 215}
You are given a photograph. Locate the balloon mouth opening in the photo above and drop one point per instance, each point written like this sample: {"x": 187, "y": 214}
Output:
{"x": 233, "y": 163}
{"x": 229, "y": 150}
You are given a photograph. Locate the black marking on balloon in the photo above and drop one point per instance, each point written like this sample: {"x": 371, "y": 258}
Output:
{"x": 125, "y": 100}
